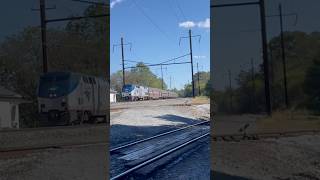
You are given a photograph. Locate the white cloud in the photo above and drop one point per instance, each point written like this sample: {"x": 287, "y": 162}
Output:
{"x": 114, "y": 2}
{"x": 204, "y": 24}
{"x": 200, "y": 24}
{"x": 187, "y": 24}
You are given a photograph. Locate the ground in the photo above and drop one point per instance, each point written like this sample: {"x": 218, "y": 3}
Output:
{"x": 280, "y": 159}
{"x": 136, "y": 120}
{"x": 78, "y": 163}
{"x": 285, "y": 158}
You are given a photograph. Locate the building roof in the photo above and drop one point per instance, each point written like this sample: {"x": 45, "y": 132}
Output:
{"x": 10, "y": 96}
{"x": 5, "y": 93}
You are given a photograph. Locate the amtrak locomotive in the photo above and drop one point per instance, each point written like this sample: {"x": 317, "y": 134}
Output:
{"x": 133, "y": 92}
{"x": 71, "y": 98}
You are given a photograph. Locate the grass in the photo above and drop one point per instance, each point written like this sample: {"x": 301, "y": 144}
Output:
{"x": 289, "y": 120}
{"x": 200, "y": 100}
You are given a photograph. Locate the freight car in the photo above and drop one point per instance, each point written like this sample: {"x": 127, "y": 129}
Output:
{"x": 70, "y": 98}
{"x": 133, "y": 92}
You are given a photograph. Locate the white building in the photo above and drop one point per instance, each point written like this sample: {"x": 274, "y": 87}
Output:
{"x": 9, "y": 108}
{"x": 113, "y": 96}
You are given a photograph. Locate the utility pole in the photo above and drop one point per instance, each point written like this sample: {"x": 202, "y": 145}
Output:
{"x": 161, "y": 77}
{"x": 170, "y": 82}
{"x": 199, "y": 91}
{"x": 230, "y": 88}
{"x": 190, "y": 42}
{"x": 253, "y": 85}
{"x": 265, "y": 55}
{"x": 261, "y": 5}
{"x": 191, "y": 57}
{"x": 43, "y": 36}
{"x": 122, "y": 57}
{"x": 283, "y": 53}
{"x": 44, "y": 22}
{"x": 283, "y": 57}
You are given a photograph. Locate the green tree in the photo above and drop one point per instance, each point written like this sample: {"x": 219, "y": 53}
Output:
{"x": 82, "y": 46}
{"x": 312, "y": 86}
{"x": 140, "y": 75}
{"x": 204, "y": 78}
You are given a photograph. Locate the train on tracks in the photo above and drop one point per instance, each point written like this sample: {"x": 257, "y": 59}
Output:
{"x": 66, "y": 98}
{"x": 132, "y": 92}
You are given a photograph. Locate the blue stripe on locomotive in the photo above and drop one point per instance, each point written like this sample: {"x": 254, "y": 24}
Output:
{"x": 57, "y": 83}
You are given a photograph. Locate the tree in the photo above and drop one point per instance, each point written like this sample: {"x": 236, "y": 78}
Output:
{"x": 204, "y": 78}
{"x": 312, "y": 86}
{"x": 140, "y": 75}
{"x": 80, "y": 47}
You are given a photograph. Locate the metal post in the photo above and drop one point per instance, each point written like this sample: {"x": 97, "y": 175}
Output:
{"x": 43, "y": 35}
{"x": 161, "y": 77}
{"x": 253, "y": 85}
{"x": 283, "y": 58}
{"x": 230, "y": 87}
{"x": 264, "y": 45}
{"x": 190, "y": 42}
{"x": 199, "y": 91}
{"x": 265, "y": 55}
{"x": 122, "y": 54}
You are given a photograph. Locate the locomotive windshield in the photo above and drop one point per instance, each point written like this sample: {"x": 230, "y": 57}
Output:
{"x": 55, "y": 85}
{"x": 127, "y": 88}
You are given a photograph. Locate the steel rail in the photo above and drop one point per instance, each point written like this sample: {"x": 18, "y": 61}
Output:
{"x": 58, "y": 146}
{"x": 158, "y": 157}
{"x": 267, "y": 134}
{"x": 159, "y": 135}
{"x": 52, "y": 128}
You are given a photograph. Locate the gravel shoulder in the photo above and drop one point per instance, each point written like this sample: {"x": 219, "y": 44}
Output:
{"x": 81, "y": 163}
{"x": 285, "y": 158}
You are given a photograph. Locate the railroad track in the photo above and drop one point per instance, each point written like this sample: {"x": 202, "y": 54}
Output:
{"x": 260, "y": 136}
{"x": 149, "y": 151}
{"x": 47, "y": 147}
{"x": 84, "y": 126}
{"x": 52, "y": 137}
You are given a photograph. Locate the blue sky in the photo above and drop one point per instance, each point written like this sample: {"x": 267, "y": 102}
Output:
{"x": 154, "y": 28}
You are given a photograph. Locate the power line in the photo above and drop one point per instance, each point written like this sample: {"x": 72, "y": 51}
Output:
{"x": 122, "y": 57}
{"x": 176, "y": 58}
{"x": 174, "y": 12}
{"x": 163, "y": 64}
{"x": 151, "y": 21}
{"x": 91, "y": 2}
{"x": 44, "y": 21}
{"x": 261, "y": 4}
{"x": 136, "y": 61}
{"x": 180, "y": 9}
{"x": 191, "y": 56}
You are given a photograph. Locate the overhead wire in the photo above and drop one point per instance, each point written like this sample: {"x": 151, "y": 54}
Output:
{"x": 150, "y": 20}
{"x": 180, "y": 9}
